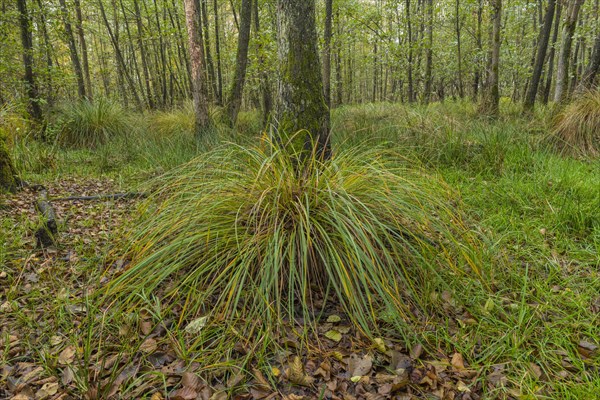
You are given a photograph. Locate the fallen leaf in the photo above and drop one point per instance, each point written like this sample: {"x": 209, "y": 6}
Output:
{"x": 458, "y": 362}
{"x": 359, "y": 366}
{"x": 149, "y": 346}
{"x": 195, "y": 327}
{"x": 67, "y": 355}
{"x": 333, "y": 335}
{"x": 297, "y": 375}
{"x": 333, "y": 319}
{"x": 462, "y": 387}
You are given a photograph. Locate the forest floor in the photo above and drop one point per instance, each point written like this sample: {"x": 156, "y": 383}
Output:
{"x": 537, "y": 336}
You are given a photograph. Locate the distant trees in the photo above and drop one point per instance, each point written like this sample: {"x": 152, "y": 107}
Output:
{"x": 378, "y": 50}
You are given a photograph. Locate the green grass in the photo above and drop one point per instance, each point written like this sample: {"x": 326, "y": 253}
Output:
{"x": 537, "y": 209}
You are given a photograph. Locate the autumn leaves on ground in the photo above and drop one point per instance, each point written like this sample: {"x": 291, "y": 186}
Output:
{"x": 528, "y": 329}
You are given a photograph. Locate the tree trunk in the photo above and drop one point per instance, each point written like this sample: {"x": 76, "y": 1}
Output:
{"x": 461, "y": 91}
{"x": 327, "y": 52}
{"x": 562, "y": 70}
{"x": 27, "y": 40}
{"x": 477, "y": 73}
{"x": 300, "y": 103}
{"x": 265, "y": 84}
{"x": 492, "y": 101}
{"x": 411, "y": 92}
{"x": 73, "y": 49}
{"x": 234, "y": 102}
{"x": 8, "y": 179}
{"x": 550, "y": 63}
{"x": 84, "y": 50}
{"x": 218, "y": 53}
{"x": 142, "y": 48}
{"x": 588, "y": 80}
{"x": 119, "y": 55}
{"x": 209, "y": 60}
{"x": 199, "y": 89}
{"x": 540, "y": 57}
{"x": 429, "y": 53}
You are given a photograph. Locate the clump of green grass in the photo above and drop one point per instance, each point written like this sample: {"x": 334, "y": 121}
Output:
{"x": 87, "y": 124}
{"x": 577, "y": 127}
{"x": 180, "y": 120}
{"x": 241, "y": 234}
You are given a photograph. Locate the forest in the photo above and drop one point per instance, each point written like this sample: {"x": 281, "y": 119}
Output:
{"x": 299, "y": 199}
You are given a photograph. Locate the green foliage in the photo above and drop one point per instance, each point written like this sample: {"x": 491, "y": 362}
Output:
{"x": 240, "y": 234}
{"x": 577, "y": 127}
{"x": 87, "y": 124}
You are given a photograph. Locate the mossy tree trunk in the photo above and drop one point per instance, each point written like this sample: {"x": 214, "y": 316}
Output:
{"x": 8, "y": 178}
{"x": 300, "y": 104}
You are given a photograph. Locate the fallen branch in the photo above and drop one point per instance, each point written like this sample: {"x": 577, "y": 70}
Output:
{"x": 48, "y": 229}
{"x": 130, "y": 195}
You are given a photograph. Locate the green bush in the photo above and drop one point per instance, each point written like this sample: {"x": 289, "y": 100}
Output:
{"x": 87, "y": 124}
{"x": 239, "y": 233}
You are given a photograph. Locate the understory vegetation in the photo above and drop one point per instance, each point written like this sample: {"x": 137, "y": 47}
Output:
{"x": 471, "y": 243}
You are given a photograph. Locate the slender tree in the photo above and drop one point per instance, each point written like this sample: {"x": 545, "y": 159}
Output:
{"x": 327, "y": 52}
{"x": 84, "y": 49}
{"x": 540, "y": 56}
{"x": 588, "y": 80}
{"x": 562, "y": 70}
{"x": 199, "y": 87}
{"x": 72, "y": 49}
{"x": 492, "y": 98}
{"x": 27, "y": 41}
{"x": 234, "y": 102}
{"x": 300, "y": 103}
{"x": 428, "y": 53}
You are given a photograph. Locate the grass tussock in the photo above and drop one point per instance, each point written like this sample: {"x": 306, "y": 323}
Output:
{"x": 577, "y": 127}
{"x": 87, "y": 124}
{"x": 239, "y": 234}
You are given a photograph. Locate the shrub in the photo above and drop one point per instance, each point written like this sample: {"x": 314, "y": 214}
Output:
{"x": 86, "y": 124}
{"x": 577, "y": 127}
{"x": 240, "y": 234}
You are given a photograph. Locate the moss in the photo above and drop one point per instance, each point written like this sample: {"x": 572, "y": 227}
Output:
{"x": 8, "y": 179}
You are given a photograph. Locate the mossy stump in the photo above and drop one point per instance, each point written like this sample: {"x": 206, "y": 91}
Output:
{"x": 8, "y": 176}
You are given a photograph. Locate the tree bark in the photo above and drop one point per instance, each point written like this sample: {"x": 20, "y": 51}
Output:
{"x": 265, "y": 84}
{"x": 27, "y": 40}
{"x": 8, "y": 175}
{"x": 84, "y": 50}
{"x": 588, "y": 80}
{"x": 72, "y": 49}
{"x": 142, "y": 48}
{"x": 327, "y": 52}
{"x": 411, "y": 92}
{"x": 218, "y": 54}
{"x": 209, "y": 60}
{"x": 199, "y": 89}
{"x": 234, "y": 101}
{"x": 540, "y": 57}
{"x": 119, "y": 55}
{"x": 550, "y": 63}
{"x": 461, "y": 92}
{"x": 562, "y": 70}
{"x": 429, "y": 53}
{"x": 492, "y": 101}
{"x": 300, "y": 103}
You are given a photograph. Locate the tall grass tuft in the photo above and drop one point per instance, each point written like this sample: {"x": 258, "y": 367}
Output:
{"x": 87, "y": 124}
{"x": 240, "y": 235}
{"x": 577, "y": 127}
